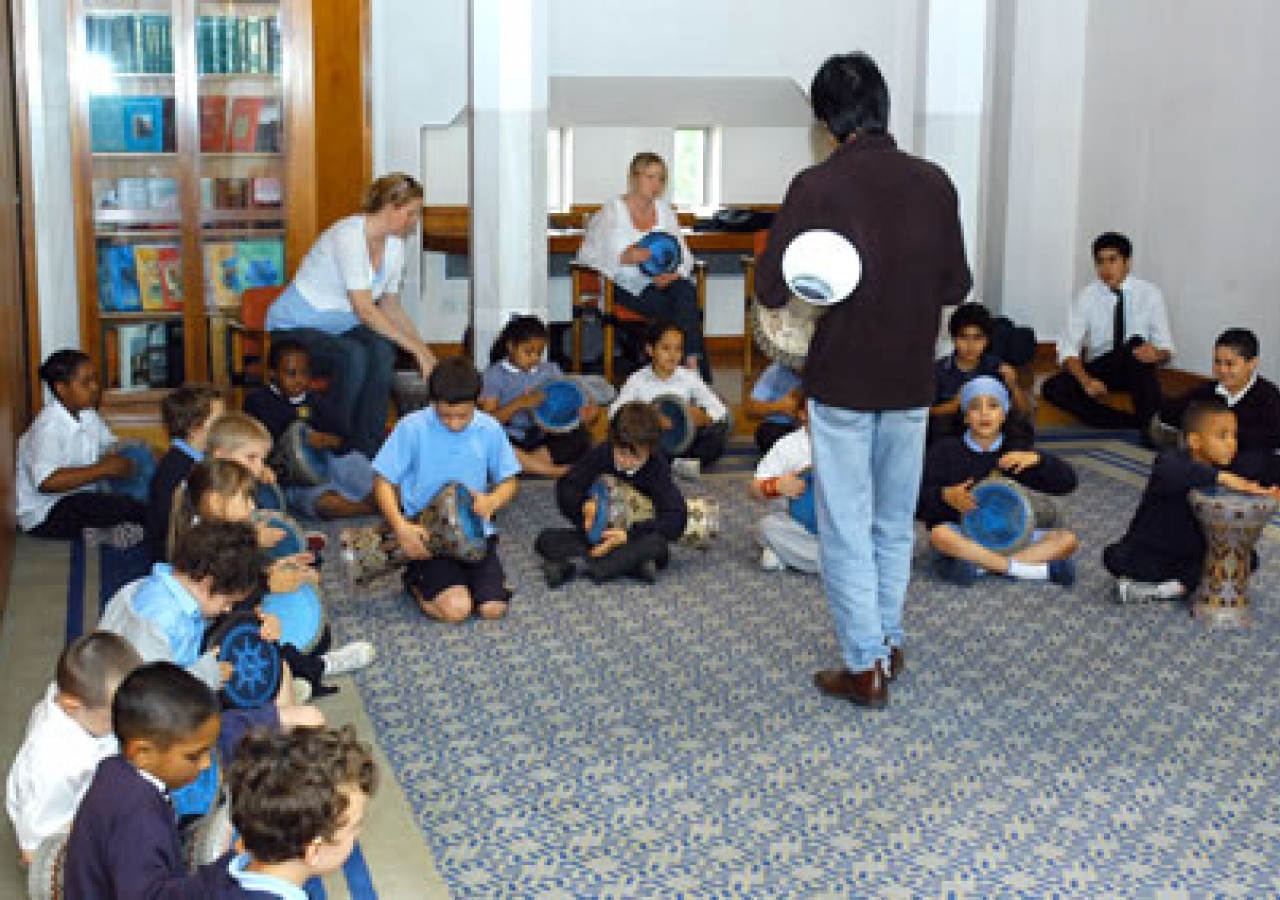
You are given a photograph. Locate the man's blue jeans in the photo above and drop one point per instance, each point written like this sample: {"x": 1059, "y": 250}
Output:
{"x": 867, "y": 468}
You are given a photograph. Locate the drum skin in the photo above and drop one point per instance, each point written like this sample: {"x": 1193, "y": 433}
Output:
{"x": 561, "y": 407}
{"x": 1004, "y": 518}
{"x": 679, "y": 437}
{"x": 301, "y": 616}
{"x": 664, "y": 253}
{"x": 138, "y": 483}
{"x": 255, "y": 680}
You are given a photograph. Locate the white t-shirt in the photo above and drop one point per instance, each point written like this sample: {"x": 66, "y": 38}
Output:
{"x": 646, "y": 386}
{"x": 611, "y": 231}
{"x": 338, "y": 262}
{"x": 56, "y": 440}
{"x": 789, "y": 455}
{"x": 51, "y": 772}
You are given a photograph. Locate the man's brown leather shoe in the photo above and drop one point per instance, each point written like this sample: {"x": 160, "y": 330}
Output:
{"x": 867, "y": 688}
{"x": 897, "y": 663}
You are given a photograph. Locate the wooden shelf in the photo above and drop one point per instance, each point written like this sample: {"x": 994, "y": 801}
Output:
{"x": 142, "y": 315}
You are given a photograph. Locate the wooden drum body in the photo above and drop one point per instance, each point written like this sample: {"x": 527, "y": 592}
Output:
{"x": 1232, "y": 523}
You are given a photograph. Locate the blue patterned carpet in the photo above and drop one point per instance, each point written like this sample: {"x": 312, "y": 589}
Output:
{"x": 627, "y": 741}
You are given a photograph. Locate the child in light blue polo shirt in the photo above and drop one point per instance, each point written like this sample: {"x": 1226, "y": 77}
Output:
{"x": 775, "y": 397}
{"x": 451, "y": 441}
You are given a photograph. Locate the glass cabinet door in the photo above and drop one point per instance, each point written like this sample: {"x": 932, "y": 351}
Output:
{"x": 127, "y": 69}
{"x": 241, "y": 162}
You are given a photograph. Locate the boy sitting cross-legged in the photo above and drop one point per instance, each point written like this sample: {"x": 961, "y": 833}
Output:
{"x": 447, "y": 442}
{"x": 631, "y": 454}
{"x": 955, "y": 464}
{"x": 188, "y": 413}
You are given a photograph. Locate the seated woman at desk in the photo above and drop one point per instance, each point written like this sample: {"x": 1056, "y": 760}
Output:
{"x": 344, "y": 307}
{"x": 609, "y": 246}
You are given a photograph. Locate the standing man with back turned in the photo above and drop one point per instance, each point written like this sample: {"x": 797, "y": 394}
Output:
{"x": 869, "y": 372}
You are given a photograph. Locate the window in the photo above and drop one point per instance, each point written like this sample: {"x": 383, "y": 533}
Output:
{"x": 694, "y": 169}
{"x": 559, "y": 169}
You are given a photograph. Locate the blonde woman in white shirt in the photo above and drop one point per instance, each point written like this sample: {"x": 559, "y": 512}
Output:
{"x": 610, "y": 246}
{"x": 1117, "y": 338}
{"x": 664, "y": 375}
{"x": 343, "y": 305}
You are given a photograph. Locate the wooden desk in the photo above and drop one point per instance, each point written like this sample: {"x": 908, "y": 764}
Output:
{"x": 445, "y": 239}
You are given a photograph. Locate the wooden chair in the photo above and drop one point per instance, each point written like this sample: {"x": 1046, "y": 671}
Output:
{"x": 250, "y": 339}
{"x": 748, "y": 295}
{"x": 592, "y": 291}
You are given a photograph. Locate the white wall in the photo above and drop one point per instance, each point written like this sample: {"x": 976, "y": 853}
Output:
{"x": 49, "y": 105}
{"x": 1180, "y": 130}
{"x": 1040, "y": 269}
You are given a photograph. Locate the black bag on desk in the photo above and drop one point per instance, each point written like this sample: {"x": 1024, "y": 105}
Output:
{"x": 736, "y": 220}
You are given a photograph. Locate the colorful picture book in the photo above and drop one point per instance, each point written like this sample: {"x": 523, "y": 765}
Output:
{"x": 170, "y": 262}
{"x": 118, "y": 289}
{"x": 230, "y": 267}
{"x": 159, "y": 274}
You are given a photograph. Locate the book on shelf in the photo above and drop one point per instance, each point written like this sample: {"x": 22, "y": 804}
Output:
{"x": 162, "y": 193}
{"x": 230, "y": 193}
{"x": 146, "y": 260}
{"x": 106, "y": 124}
{"x": 118, "y": 279}
{"x": 110, "y": 357}
{"x": 266, "y": 191}
{"x": 243, "y": 128}
{"x": 170, "y": 263}
{"x": 260, "y": 263}
{"x": 157, "y": 355}
{"x": 131, "y": 193}
{"x": 213, "y": 123}
{"x": 267, "y": 137}
{"x": 133, "y": 357}
{"x": 131, "y": 42}
{"x": 221, "y": 276}
{"x": 143, "y": 124}
{"x": 169, "y": 138}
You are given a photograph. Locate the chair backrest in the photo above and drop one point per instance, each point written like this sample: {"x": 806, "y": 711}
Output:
{"x": 758, "y": 242}
{"x": 254, "y": 303}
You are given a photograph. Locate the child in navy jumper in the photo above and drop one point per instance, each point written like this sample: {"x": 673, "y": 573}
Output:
{"x": 971, "y": 330}
{"x": 511, "y": 391}
{"x": 955, "y": 464}
{"x": 298, "y": 803}
{"x": 631, "y": 455}
{"x": 124, "y": 842}
{"x": 1254, "y": 399}
{"x": 348, "y": 492}
{"x": 188, "y": 412}
{"x": 1161, "y": 556}
{"x": 451, "y": 441}
{"x": 65, "y": 458}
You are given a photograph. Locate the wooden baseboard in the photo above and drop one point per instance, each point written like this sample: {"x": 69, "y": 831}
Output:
{"x": 1174, "y": 382}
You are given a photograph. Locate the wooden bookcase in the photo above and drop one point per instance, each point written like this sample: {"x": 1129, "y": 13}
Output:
{"x": 193, "y": 156}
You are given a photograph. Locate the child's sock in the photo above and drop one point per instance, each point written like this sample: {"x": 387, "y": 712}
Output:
{"x": 1170, "y": 590}
{"x": 1028, "y": 571}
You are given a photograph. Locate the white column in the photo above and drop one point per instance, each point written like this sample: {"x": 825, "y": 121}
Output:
{"x": 508, "y": 165}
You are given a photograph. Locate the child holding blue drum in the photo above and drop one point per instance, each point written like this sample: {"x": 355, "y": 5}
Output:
{"x": 513, "y": 392}
{"x": 630, "y": 455}
{"x": 955, "y": 465}
{"x": 451, "y": 441}
{"x": 666, "y": 377}
{"x": 222, "y": 491}
{"x": 66, "y": 460}
{"x": 788, "y": 533}
{"x": 347, "y": 486}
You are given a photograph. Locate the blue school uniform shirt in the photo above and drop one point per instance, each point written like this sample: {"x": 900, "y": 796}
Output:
{"x": 422, "y": 455}
{"x": 164, "y": 602}
{"x": 773, "y": 384}
{"x": 506, "y": 382}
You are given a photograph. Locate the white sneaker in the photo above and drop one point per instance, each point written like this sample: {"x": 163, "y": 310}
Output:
{"x": 301, "y": 691}
{"x": 687, "y": 467}
{"x": 769, "y": 560}
{"x": 1130, "y": 591}
{"x": 348, "y": 658}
